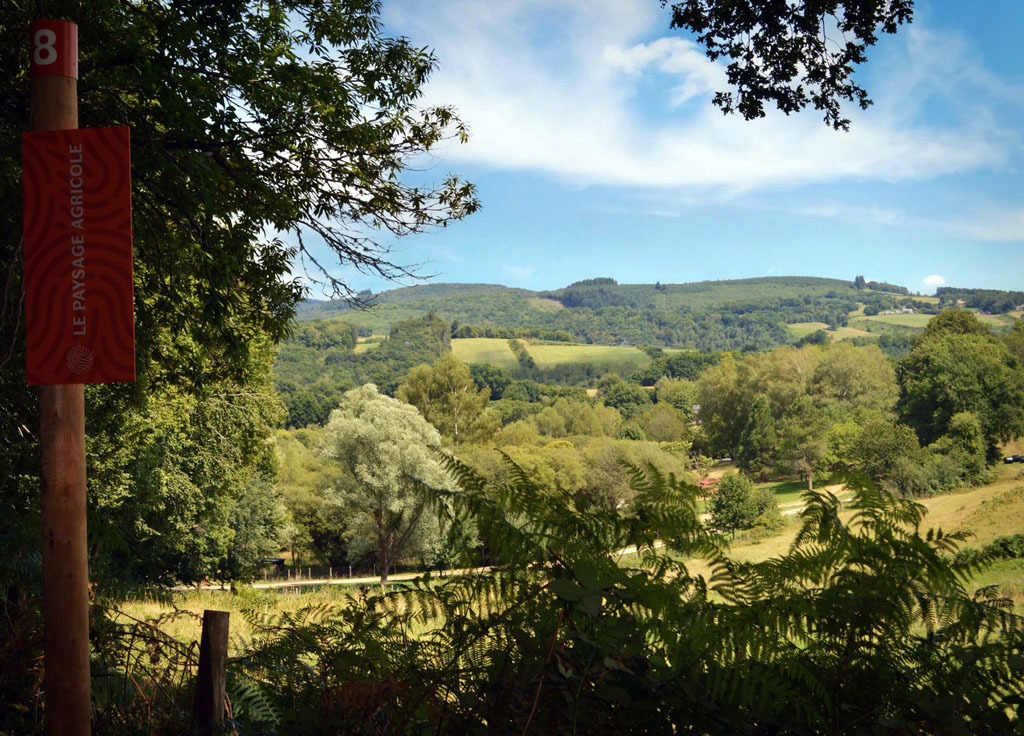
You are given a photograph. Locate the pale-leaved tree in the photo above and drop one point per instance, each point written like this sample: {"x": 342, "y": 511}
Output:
{"x": 385, "y": 446}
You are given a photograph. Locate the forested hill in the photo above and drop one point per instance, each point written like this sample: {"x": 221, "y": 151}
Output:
{"x": 748, "y": 313}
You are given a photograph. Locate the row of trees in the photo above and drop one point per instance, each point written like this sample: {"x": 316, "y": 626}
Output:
{"x": 926, "y": 423}
{"x": 958, "y": 393}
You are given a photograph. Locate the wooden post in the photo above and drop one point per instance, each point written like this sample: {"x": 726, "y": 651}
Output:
{"x": 62, "y": 443}
{"x": 211, "y": 680}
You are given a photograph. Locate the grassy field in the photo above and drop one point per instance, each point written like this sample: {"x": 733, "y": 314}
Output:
{"x": 366, "y": 344}
{"x": 488, "y": 350}
{"x": 180, "y": 613}
{"x": 904, "y": 320}
{"x": 802, "y": 329}
{"x": 548, "y": 355}
{"x": 996, "y": 320}
{"x": 921, "y": 320}
{"x": 986, "y": 512}
{"x": 544, "y": 305}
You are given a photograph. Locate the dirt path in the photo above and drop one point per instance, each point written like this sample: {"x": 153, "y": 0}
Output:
{"x": 786, "y": 509}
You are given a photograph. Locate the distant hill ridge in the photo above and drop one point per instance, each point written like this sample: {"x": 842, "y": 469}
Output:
{"x": 320, "y": 309}
{"x": 735, "y": 314}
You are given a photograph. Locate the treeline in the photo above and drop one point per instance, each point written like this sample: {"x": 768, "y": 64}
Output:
{"x": 878, "y": 303}
{"x": 722, "y": 315}
{"x": 469, "y": 331}
{"x": 812, "y": 411}
{"x": 990, "y": 301}
{"x": 931, "y": 422}
{"x": 310, "y": 381}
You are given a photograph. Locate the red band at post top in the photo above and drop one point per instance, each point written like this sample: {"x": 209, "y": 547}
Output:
{"x": 53, "y": 48}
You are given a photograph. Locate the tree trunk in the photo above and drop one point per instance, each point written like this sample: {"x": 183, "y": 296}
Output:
{"x": 810, "y": 479}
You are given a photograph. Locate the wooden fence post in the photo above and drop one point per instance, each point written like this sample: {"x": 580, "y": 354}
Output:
{"x": 211, "y": 680}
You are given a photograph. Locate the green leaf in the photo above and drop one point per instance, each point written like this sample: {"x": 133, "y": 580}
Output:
{"x": 566, "y": 589}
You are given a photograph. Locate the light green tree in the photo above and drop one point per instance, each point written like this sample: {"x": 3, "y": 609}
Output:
{"x": 385, "y": 445}
{"x": 447, "y": 396}
{"x": 663, "y": 423}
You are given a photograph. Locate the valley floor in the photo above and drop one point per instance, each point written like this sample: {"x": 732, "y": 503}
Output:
{"x": 987, "y": 512}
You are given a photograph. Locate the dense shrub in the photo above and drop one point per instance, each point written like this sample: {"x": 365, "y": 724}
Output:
{"x": 862, "y": 627}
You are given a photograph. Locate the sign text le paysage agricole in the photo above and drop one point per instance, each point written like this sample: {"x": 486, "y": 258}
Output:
{"x": 79, "y": 313}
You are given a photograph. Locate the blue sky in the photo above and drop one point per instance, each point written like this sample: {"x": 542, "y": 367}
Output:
{"x": 597, "y": 152}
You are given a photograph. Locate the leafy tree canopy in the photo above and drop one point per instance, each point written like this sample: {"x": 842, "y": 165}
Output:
{"x": 448, "y": 398}
{"x": 791, "y": 53}
{"x": 954, "y": 322}
{"x": 385, "y": 446}
{"x": 953, "y": 372}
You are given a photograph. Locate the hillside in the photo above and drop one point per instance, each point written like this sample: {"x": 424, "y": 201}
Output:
{"x": 575, "y": 335}
{"x": 713, "y": 315}
{"x": 744, "y": 314}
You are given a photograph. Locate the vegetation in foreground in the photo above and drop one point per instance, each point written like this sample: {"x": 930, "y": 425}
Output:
{"x": 866, "y": 624}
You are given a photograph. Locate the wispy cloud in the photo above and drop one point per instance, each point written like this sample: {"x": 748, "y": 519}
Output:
{"x": 566, "y": 92}
{"x": 1004, "y": 225}
{"x": 519, "y": 272}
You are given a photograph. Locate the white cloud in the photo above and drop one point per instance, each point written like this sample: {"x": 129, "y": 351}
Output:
{"x": 568, "y": 92}
{"x": 933, "y": 281}
{"x": 519, "y": 272}
{"x": 673, "y": 56}
{"x": 858, "y": 213}
{"x": 999, "y": 225}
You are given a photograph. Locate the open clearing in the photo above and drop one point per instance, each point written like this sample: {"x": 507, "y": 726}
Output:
{"x": 921, "y": 320}
{"x": 987, "y": 512}
{"x": 365, "y": 346}
{"x": 904, "y": 320}
{"x": 544, "y": 305}
{"x": 487, "y": 350}
{"x": 996, "y": 320}
{"x": 546, "y": 355}
{"x": 802, "y": 329}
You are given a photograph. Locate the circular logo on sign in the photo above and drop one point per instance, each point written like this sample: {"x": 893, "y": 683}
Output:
{"x": 79, "y": 359}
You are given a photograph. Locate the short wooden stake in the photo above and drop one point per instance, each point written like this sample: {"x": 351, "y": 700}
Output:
{"x": 211, "y": 680}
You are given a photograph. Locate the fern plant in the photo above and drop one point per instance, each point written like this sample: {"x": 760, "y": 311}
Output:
{"x": 866, "y": 625}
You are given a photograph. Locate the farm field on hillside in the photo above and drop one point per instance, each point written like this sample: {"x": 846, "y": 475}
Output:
{"x": 802, "y": 329}
{"x": 905, "y": 320}
{"x": 488, "y": 350}
{"x": 996, "y": 320}
{"x": 546, "y": 356}
{"x": 921, "y": 320}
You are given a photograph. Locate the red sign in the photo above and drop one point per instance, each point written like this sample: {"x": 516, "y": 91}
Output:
{"x": 54, "y": 49}
{"x": 79, "y": 310}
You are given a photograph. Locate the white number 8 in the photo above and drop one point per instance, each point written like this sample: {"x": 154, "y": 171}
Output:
{"x": 45, "y": 53}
